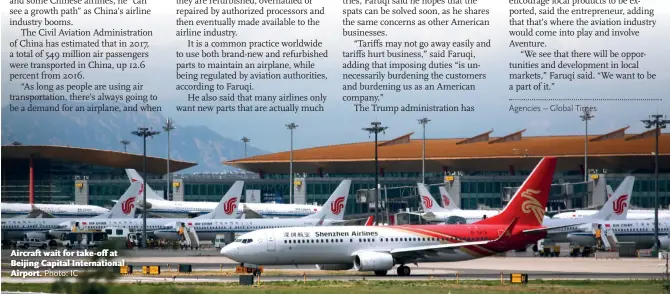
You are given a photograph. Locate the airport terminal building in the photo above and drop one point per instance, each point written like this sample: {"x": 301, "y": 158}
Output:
{"x": 478, "y": 171}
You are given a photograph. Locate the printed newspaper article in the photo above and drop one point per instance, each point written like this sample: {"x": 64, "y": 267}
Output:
{"x": 309, "y": 140}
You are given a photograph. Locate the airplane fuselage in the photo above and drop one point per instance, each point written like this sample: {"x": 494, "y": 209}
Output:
{"x": 59, "y": 210}
{"x": 339, "y": 245}
{"x": 639, "y": 232}
{"x": 178, "y": 208}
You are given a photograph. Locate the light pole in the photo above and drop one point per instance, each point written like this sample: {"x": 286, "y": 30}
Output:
{"x": 144, "y": 133}
{"x": 246, "y": 140}
{"x": 585, "y": 118}
{"x": 169, "y": 126}
{"x": 376, "y": 128}
{"x": 423, "y": 122}
{"x": 125, "y": 143}
{"x": 291, "y": 127}
{"x": 658, "y": 122}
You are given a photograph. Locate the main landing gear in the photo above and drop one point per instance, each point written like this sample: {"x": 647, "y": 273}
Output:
{"x": 403, "y": 270}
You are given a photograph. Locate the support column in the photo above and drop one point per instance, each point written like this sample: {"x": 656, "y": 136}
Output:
{"x": 178, "y": 190}
{"x": 300, "y": 191}
{"x": 31, "y": 182}
{"x": 454, "y": 190}
{"x": 598, "y": 192}
{"x": 81, "y": 192}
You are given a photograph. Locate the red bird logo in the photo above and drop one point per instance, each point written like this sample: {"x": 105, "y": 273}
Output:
{"x": 427, "y": 202}
{"x": 128, "y": 205}
{"x": 337, "y": 206}
{"x": 620, "y": 204}
{"x": 445, "y": 200}
{"x": 230, "y": 205}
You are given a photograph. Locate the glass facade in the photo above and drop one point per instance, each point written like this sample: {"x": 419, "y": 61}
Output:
{"x": 55, "y": 183}
{"x": 54, "y": 180}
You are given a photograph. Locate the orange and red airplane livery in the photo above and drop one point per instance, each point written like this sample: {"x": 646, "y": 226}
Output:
{"x": 380, "y": 248}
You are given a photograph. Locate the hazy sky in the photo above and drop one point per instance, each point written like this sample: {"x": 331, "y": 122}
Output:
{"x": 339, "y": 123}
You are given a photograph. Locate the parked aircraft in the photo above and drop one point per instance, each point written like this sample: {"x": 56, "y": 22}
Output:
{"x": 432, "y": 212}
{"x": 161, "y": 206}
{"x": 331, "y": 213}
{"x": 616, "y": 208}
{"x": 380, "y": 248}
{"x": 57, "y": 210}
{"x": 16, "y": 228}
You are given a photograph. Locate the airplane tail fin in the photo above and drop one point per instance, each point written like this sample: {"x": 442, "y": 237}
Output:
{"x": 126, "y": 206}
{"x": 616, "y": 207}
{"x": 227, "y": 207}
{"x": 134, "y": 176}
{"x": 447, "y": 202}
{"x": 428, "y": 203}
{"x": 334, "y": 208}
{"x": 530, "y": 201}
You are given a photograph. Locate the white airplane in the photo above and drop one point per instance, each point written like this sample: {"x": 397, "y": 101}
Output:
{"x": 16, "y": 228}
{"x": 380, "y": 248}
{"x": 331, "y": 213}
{"x": 616, "y": 208}
{"x": 56, "y": 210}
{"x": 225, "y": 211}
{"x": 633, "y": 214}
{"x": 451, "y": 214}
{"x": 641, "y": 232}
{"x": 250, "y": 210}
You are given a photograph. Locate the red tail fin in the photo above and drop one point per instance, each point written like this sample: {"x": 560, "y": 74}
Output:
{"x": 530, "y": 201}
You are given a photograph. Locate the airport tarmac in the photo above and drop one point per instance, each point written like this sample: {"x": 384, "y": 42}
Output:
{"x": 481, "y": 269}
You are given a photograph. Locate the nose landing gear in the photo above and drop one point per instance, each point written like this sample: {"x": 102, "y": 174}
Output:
{"x": 403, "y": 270}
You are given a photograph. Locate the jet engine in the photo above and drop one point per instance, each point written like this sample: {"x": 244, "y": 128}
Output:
{"x": 35, "y": 235}
{"x": 455, "y": 220}
{"x": 373, "y": 261}
{"x": 334, "y": 267}
{"x": 665, "y": 241}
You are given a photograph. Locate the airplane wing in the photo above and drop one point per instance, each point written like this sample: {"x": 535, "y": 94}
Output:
{"x": 38, "y": 213}
{"x": 420, "y": 251}
{"x": 348, "y": 222}
{"x": 553, "y": 228}
{"x": 249, "y": 213}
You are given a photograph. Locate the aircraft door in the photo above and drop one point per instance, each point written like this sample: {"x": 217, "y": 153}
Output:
{"x": 272, "y": 246}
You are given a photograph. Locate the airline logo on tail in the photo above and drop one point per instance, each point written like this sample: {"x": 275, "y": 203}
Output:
{"x": 127, "y": 205}
{"x": 445, "y": 200}
{"x": 337, "y": 206}
{"x": 620, "y": 204}
{"x": 532, "y": 205}
{"x": 427, "y": 202}
{"x": 230, "y": 206}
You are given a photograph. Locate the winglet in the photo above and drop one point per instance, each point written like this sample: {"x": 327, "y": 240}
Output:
{"x": 509, "y": 230}
{"x": 370, "y": 221}
{"x": 320, "y": 223}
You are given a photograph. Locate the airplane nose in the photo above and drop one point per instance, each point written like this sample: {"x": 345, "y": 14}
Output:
{"x": 229, "y": 251}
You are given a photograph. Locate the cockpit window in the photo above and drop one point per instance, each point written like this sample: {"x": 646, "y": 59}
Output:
{"x": 245, "y": 241}
{"x": 238, "y": 240}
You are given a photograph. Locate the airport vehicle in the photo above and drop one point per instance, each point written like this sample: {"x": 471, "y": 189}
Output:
{"x": 380, "y": 248}
{"x": 331, "y": 213}
{"x": 159, "y": 205}
{"x": 451, "y": 214}
{"x": 57, "y": 210}
{"x": 40, "y": 228}
{"x": 640, "y": 232}
{"x": 32, "y": 242}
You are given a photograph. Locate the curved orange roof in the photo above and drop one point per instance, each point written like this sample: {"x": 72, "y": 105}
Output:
{"x": 155, "y": 165}
{"x": 438, "y": 149}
